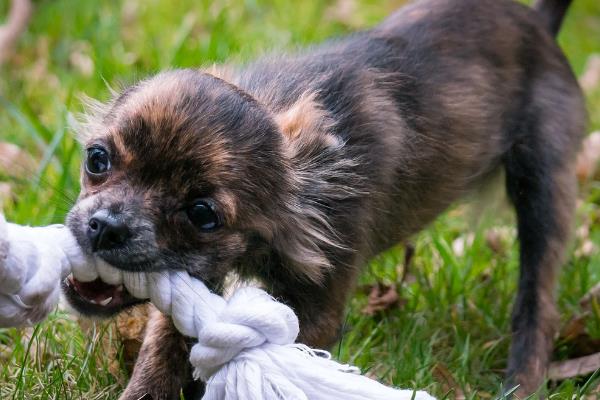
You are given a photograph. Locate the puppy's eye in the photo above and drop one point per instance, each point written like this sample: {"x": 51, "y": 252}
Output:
{"x": 203, "y": 215}
{"x": 98, "y": 161}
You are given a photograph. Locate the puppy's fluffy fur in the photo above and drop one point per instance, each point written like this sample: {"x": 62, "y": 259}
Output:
{"x": 318, "y": 161}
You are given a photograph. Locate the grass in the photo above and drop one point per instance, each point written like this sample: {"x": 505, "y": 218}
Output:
{"x": 451, "y": 333}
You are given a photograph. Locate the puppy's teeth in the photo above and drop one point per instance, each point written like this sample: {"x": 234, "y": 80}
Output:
{"x": 94, "y": 302}
{"x": 120, "y": 288}
{"x": 104, "y": 303}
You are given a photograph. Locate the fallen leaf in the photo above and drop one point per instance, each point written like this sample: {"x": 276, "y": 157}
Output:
{"x": 127, "y": 333}
{"x": 131, "y": 325}
{"x": 382, "y": 298}
{"x": 576, "y": 340}
{"x": 132, "y": 322}
{"x": 590, "y": 79}
{"x": 573, "y": 337}
{"x": 588, "y": 158}
{"x": 404, "y": 270}
{"x": 491, "y": 343}
{"x": 448, "y": 383}
{"x": 498, "y": 239}
{"x": 561, "y": 370}
{"x": 574, "y": 328}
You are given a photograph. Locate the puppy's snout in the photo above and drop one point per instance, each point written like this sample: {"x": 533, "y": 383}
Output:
{"x": 107, "y": 231}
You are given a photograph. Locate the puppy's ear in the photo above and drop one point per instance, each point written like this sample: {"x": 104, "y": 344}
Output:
{"x": 306, "y": 125}
{"x": 318, "y": 170}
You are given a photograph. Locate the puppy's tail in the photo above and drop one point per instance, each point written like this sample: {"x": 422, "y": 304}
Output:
{"x": 552, "y": 13}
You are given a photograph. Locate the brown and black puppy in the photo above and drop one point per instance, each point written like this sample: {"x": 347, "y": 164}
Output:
{"x": 297, "y": 169}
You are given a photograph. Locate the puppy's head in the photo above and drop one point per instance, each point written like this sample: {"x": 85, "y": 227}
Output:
{"x": 181, "y": 172}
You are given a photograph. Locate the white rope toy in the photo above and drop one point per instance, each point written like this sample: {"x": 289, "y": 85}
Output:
{"x": 246, "y": 345}
{"x": 32, "y": 263}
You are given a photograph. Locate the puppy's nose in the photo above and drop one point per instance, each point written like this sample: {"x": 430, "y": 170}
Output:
{"x": 106, "y": 231}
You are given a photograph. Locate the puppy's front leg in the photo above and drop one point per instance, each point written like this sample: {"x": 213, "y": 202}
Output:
{"x": 162, "y": 369}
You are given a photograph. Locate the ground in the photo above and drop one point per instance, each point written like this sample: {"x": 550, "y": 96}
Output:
{"x": 447, "y": 334}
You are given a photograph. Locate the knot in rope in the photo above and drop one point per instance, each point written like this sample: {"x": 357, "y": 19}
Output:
{"x": 250, "y": 318}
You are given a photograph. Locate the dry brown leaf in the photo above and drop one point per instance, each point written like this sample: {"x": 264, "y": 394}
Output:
{"x": 584, "y": 345}
{"x": 574, "y": 333}
{"x": 127, "y": 329}
{"x": 382, "y": 298}
{"x": 588, "y": 158}
{"x": 574, "y": 328}
{"x": 577, "y": 340}
{"x": 494, "y": 241}
{"x": 15, "y": 162}
{"x": 132, "y": 323}
{"x": 590, "y": 79}
{"x": 444, "y": 377}
{"x": 130, "y": 329}
{"x": 491, "y": 343}
{"x": 404, "y": 270}
{"x": 561, "y": 370}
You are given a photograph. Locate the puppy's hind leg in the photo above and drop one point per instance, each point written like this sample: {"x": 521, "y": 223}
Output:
{"x": 541, "y": 184}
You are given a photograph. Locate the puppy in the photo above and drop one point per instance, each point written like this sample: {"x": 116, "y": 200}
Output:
{"x": 297, "y": 169}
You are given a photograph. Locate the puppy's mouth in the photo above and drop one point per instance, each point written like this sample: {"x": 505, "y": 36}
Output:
{"x": 97, "y": 298}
